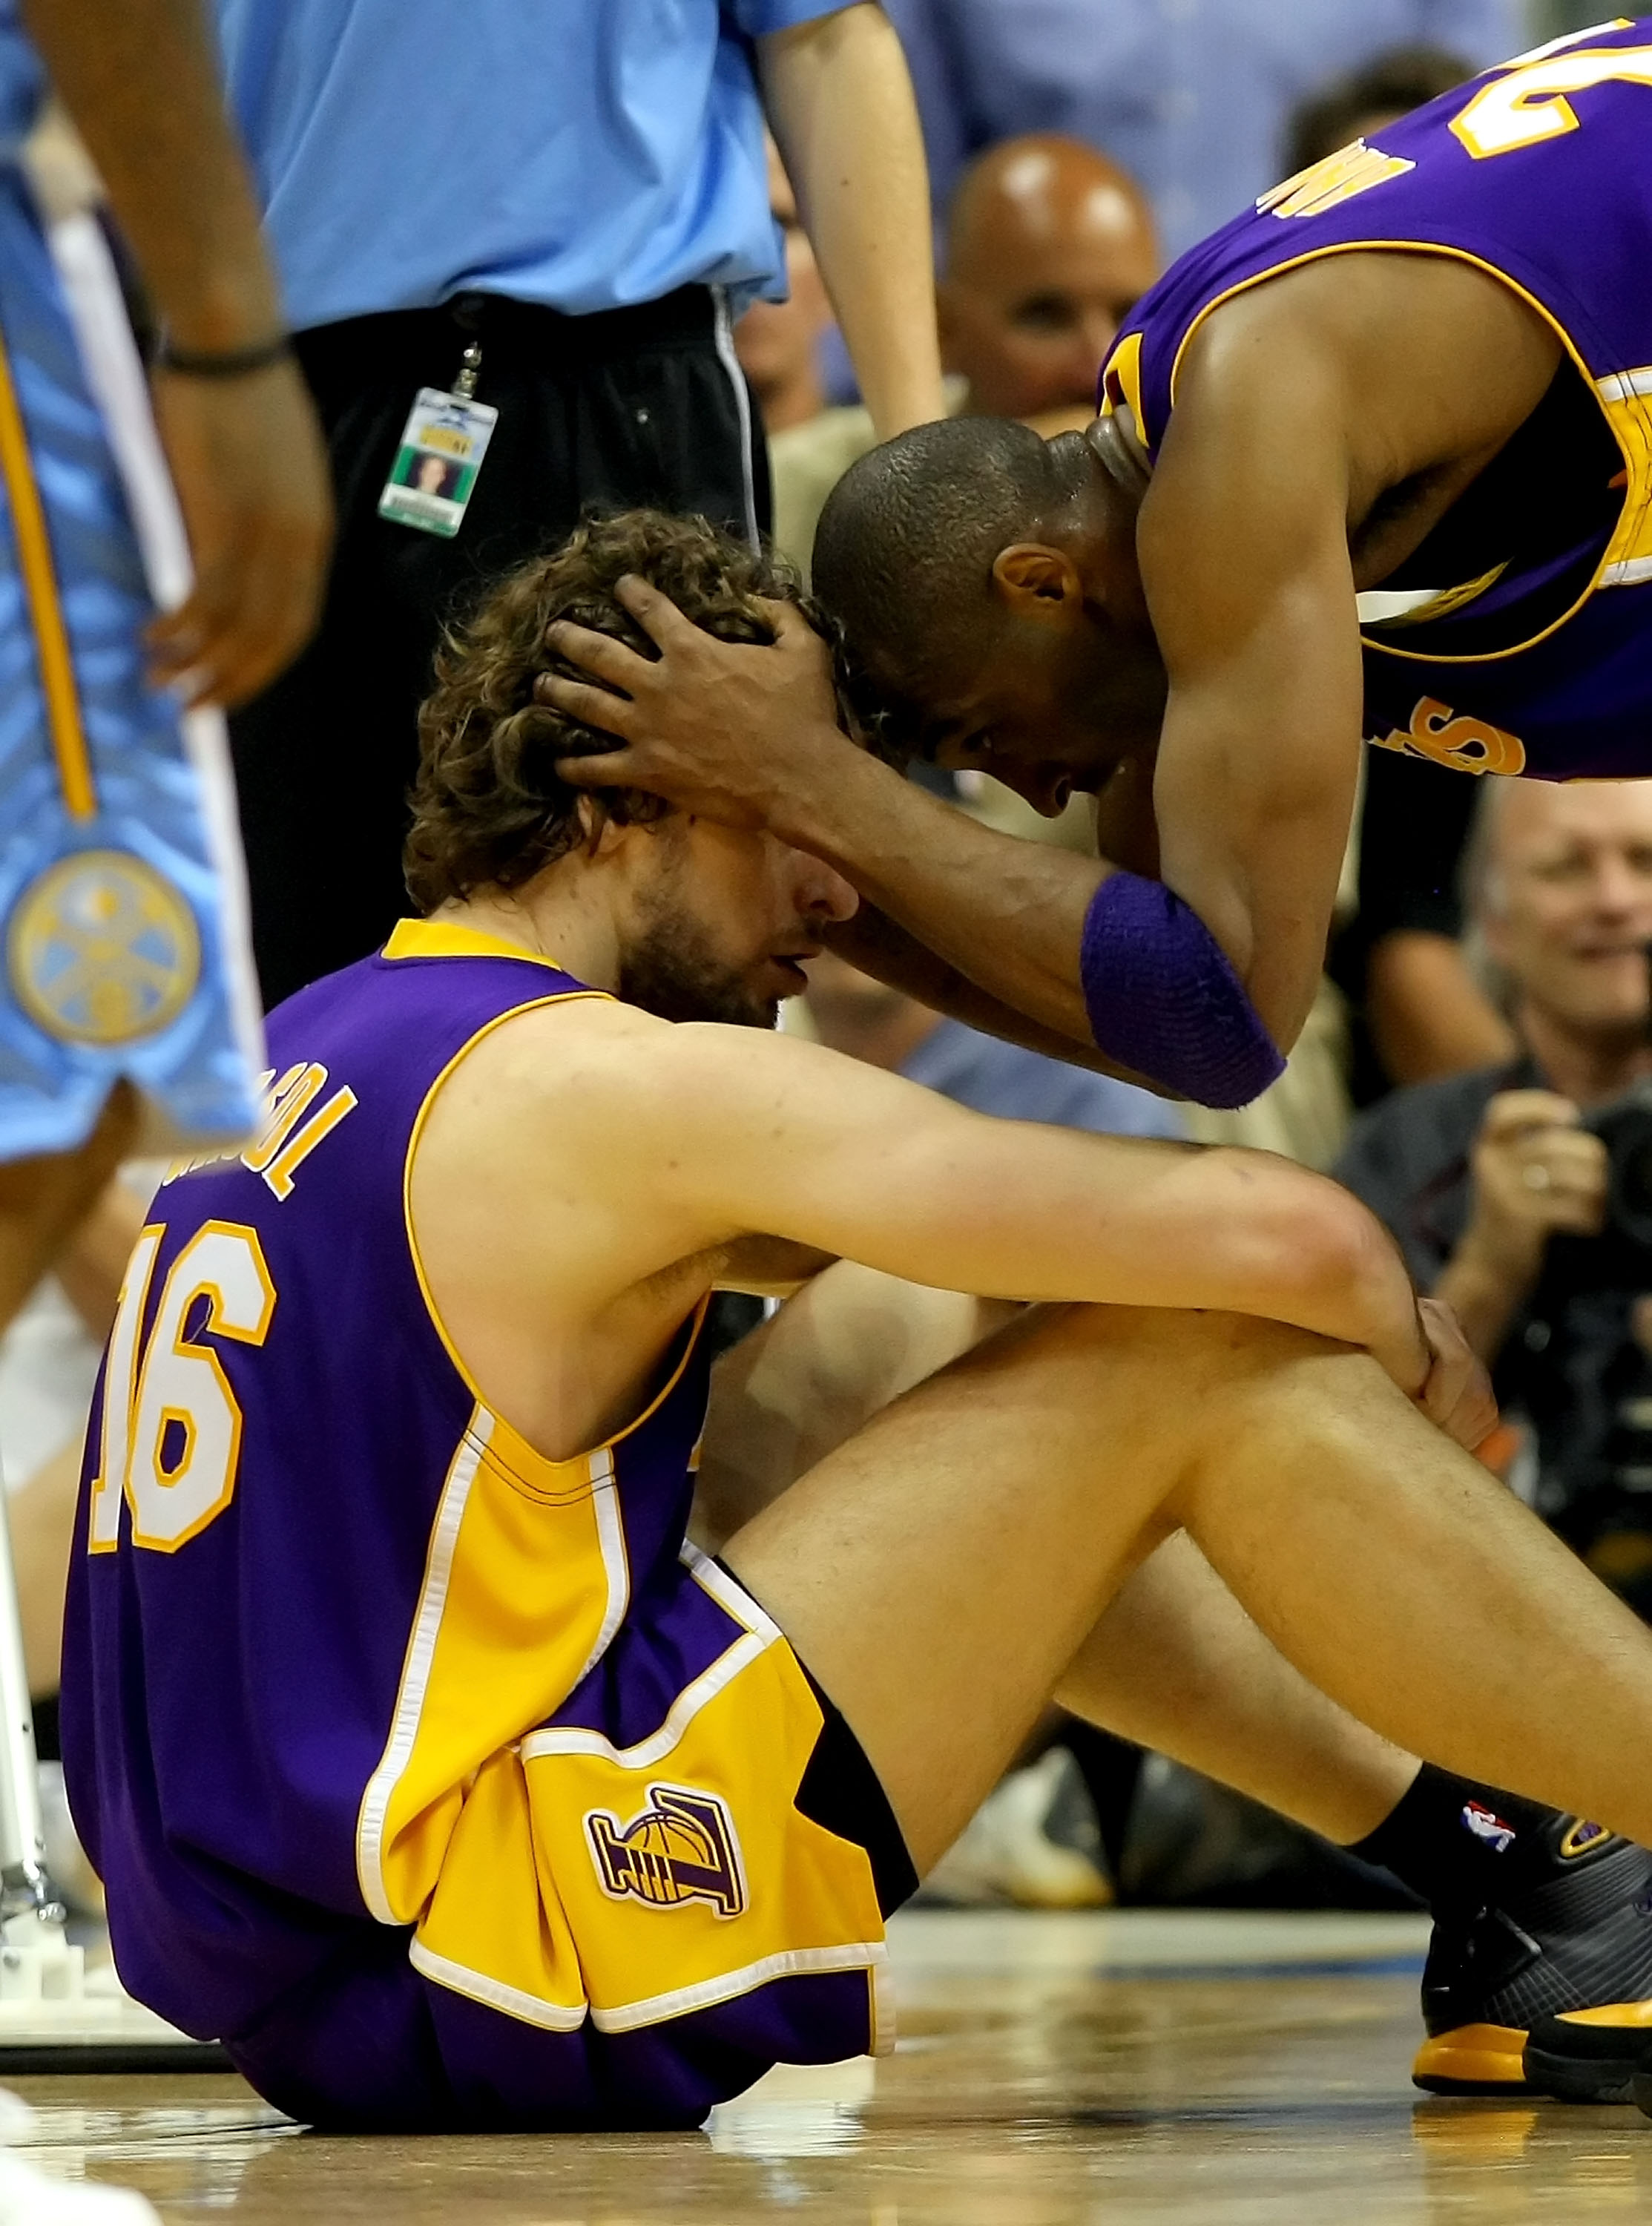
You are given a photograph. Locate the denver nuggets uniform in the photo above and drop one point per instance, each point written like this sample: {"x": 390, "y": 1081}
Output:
{"x": 1518, "y": 637}
{"x": 122, "y": 907}
{"x": 444, "y": 1782}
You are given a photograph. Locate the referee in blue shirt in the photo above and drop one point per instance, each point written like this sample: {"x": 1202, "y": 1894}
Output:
{"x": 551, "y": 210}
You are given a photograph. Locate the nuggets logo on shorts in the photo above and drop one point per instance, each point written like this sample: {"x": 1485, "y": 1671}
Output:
{"x": 682, "y": 1848}
{"x": 102, "y": 948}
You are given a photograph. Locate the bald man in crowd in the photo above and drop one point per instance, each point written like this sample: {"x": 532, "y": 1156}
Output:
{"x": 1048, "y": 247}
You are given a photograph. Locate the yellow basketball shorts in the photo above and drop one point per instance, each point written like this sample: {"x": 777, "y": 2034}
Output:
{"x": 679, "y": 1880}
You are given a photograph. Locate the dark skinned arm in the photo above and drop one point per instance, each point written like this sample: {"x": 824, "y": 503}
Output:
{"x": 1003, "y": 913}
{"x": 1242, "y": 543}
{"x": 139, "y": 81}
{"x": 879, "y": 946}
{"x": 1260, "y": 827}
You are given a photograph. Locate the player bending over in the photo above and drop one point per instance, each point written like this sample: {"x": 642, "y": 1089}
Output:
{"x": 1375, "y": 459}
{"x": 431, "y": 1768}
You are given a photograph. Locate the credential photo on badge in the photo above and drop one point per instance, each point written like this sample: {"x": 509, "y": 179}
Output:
{"x": 441, "y": 452}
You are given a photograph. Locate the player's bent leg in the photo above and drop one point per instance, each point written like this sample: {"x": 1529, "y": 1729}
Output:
{"x": 941, "y": 1569}
{"x": 1175, "y": 1664}
{"x": 1533, "y": 1912}
{"x": 1402, "y": 1580}
{"x": 43, "y": 1201}
{"x": 1544, "y": 1919}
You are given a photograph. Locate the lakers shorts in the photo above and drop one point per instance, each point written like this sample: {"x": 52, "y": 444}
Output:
{"x": 124, "y": 946}
{"x": 677, "y": 1881}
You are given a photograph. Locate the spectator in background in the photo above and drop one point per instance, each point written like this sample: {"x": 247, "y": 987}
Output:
{"x": 1495, "y": 1189}
{"x": 1047, "y": 245}
{"x": 868, "y": 1020}
{"x": 586, "y": 205}
{"x": 1189, "y": 95}
{"x": 1357, "y": 106}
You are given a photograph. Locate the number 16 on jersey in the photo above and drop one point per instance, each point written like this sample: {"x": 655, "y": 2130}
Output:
{"x": 171, "y": 1439}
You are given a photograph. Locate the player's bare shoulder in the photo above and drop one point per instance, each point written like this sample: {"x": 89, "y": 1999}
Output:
{"x": 589, "y": 1080}
{"x": 1422, "y": 360}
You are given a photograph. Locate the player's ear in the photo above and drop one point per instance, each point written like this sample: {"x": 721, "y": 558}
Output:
{"x": 600, "y": 832}
{"x": 1030, "y": 572}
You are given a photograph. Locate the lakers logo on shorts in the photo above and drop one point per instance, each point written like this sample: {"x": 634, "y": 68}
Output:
{"x": 102, "y": 949}
{"x": 681, "y": 1849}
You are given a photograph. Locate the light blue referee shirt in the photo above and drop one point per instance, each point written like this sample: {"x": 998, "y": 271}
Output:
{"x": 584, "y": 154}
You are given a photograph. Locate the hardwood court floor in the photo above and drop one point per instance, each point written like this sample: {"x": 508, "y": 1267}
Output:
{"x": 1197, "y": 2070}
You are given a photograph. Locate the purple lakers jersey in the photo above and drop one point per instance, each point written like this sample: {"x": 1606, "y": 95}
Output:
{"x": 1528, "y": 647}
{"x": 317, "y": 1583}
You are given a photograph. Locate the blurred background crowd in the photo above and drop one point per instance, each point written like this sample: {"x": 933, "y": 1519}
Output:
{"x": 1479, "y": 1065}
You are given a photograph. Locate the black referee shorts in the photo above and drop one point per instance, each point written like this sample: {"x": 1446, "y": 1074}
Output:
{"x": 643, "y": 405}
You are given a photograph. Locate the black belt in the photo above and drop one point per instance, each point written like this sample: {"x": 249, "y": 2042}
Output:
{"x": 398, "y": 341}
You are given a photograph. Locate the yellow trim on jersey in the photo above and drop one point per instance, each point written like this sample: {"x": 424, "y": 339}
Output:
{"x": 1123, "y": 367}
{"x": 1627, "y": 414}
{"x": 522, "y": 1918}
{"x": 451, "y": 939}
{"x": 525, "y": 1451}
{"x": 45, "y": 607}
{"x": 526, "y": 1581}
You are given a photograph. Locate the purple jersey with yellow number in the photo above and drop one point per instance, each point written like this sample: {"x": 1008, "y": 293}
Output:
{"x": 1518, "y": 637}
{"x": 319, "y": 1585}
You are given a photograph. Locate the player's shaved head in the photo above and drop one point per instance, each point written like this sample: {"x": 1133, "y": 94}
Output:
{"x": 904, "y": 550}
{"x": 1048, "y": 246}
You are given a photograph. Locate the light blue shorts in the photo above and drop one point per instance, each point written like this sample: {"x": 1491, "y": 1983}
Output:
{"x": 123, "y": 947}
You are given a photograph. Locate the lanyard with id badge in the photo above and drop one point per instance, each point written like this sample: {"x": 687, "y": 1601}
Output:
{"x": 443, "y": 443}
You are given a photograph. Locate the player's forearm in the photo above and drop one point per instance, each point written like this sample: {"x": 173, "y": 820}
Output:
{"x": 1016, "y": 1212}
{"x": 1005, "y": 914}
{"x": 1228, "y": 1231}
{"x": 840, "y": 101}
{"x": 138, "y": 78}
{"x": 879, "y": 946}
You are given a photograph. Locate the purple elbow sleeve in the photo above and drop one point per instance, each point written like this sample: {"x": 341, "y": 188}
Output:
{"x": 1163, "y": 999}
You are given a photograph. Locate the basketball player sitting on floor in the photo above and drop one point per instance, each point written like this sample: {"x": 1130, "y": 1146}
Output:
{"x": 428, "y": 1766}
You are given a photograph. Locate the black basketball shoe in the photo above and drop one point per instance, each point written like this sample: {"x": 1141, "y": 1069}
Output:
{"x": 1574, "y": 1932}
{"x": 1592, "y": 2055}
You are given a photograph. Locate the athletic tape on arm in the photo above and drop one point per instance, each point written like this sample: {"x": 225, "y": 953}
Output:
{"x": 1163, "y": 999}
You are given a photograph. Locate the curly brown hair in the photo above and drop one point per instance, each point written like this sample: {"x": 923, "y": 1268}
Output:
{"x": 489, "y": 807}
